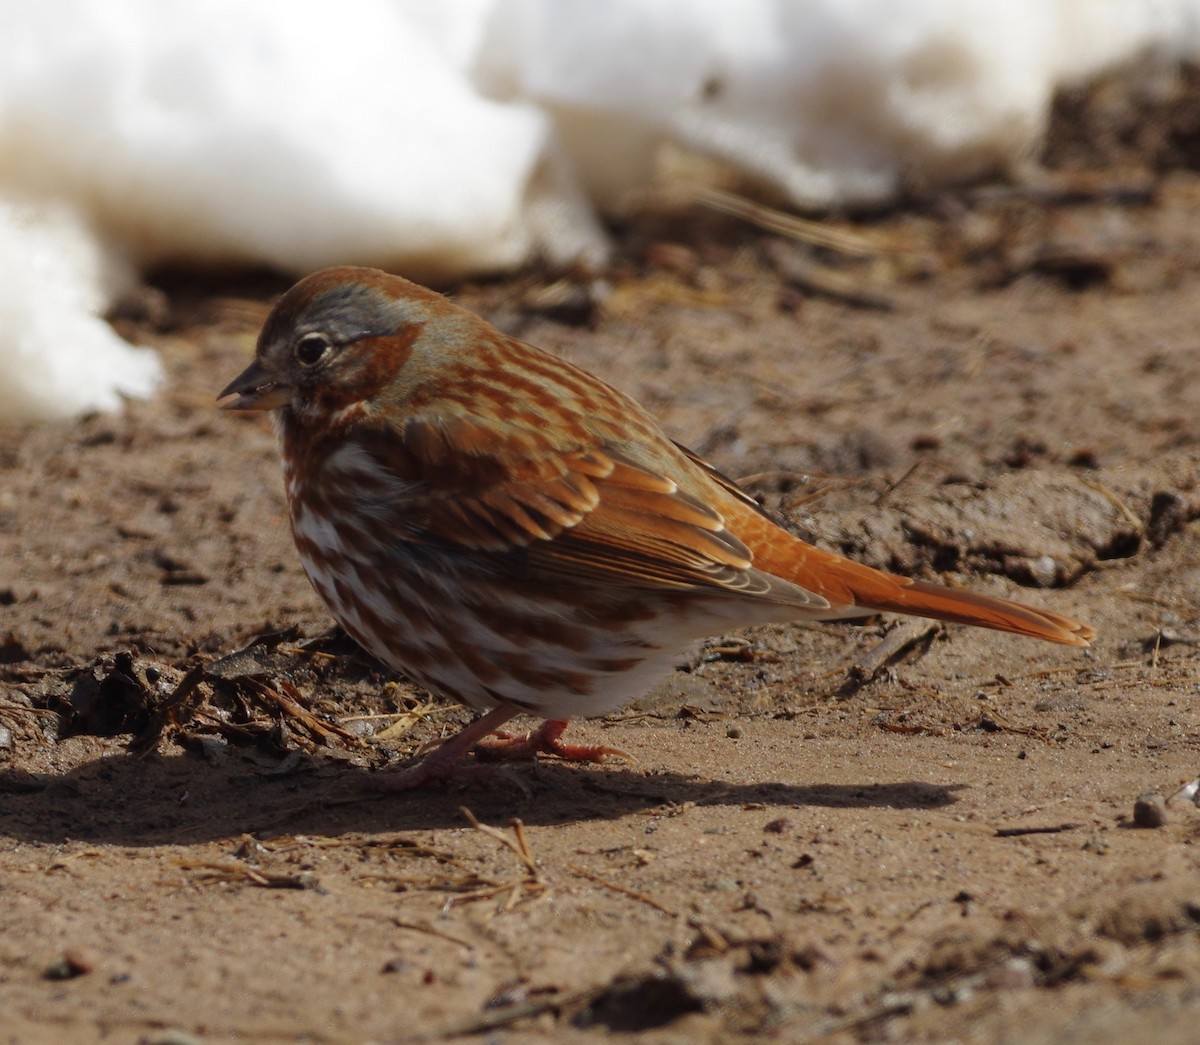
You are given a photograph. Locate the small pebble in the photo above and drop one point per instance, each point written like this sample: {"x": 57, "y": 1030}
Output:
{"x": 1014, "y": 974}
{"x": 779, "y": 825}
{"x": 1044, "y": 571}
{"x": 75, "y": 961}
{"x": 735, "y": 732}
{"x": 1149, "y": 810}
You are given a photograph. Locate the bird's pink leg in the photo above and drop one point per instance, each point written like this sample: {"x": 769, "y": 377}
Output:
{"x": 545, "y": 740}
{"x": 442, "y": 763}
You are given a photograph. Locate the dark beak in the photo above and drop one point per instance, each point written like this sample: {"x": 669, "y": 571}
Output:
{"x": 255, "y": 390}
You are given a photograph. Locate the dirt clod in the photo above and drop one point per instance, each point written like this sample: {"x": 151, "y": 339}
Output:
{"x": 1149, "y": 810}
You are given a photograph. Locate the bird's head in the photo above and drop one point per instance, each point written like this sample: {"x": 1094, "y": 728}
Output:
{"x": 346, "y": 340}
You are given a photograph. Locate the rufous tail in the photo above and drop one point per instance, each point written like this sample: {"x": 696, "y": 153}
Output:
{"x": 924, "y": 599}
{"x": 854, "y": 589}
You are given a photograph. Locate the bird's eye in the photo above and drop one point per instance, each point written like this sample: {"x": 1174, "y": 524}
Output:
{"x": 312, "y": 348}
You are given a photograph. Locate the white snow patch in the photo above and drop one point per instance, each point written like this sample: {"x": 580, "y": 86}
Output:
{"x": 442, "y": 139}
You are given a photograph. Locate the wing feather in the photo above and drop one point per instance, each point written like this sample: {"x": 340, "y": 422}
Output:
{"x": 586, "y": 512}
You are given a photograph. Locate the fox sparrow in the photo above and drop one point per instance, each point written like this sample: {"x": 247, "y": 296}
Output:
{"x": 511, "y": 532}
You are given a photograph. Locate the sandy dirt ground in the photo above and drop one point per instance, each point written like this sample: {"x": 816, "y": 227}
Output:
{"x": 820, "y": 839}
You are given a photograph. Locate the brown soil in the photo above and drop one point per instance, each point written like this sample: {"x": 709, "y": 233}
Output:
{"x": 818, "y": 840}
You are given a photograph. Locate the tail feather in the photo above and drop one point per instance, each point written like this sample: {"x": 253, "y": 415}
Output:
{"x": 876, "y": 591}
{"x": 924, "y": 599}
{"x": 853, "y": 589}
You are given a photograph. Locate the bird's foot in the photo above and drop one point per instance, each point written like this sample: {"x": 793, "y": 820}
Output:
{"x": 490, "y": 744}
{"x": 545, "y": 740}
{"x": 445, "y": 762}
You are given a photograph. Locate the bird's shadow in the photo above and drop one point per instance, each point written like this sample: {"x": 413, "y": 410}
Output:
{"x": 141, "y": 801}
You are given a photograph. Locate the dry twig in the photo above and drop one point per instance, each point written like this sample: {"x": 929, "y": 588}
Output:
{"x": 622, "y": 890}
{"x": 217, "y": 871}
{"x": 532, "y": 884}
{"x": 897, "y": 641}
{"x": 817, "y": 233}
